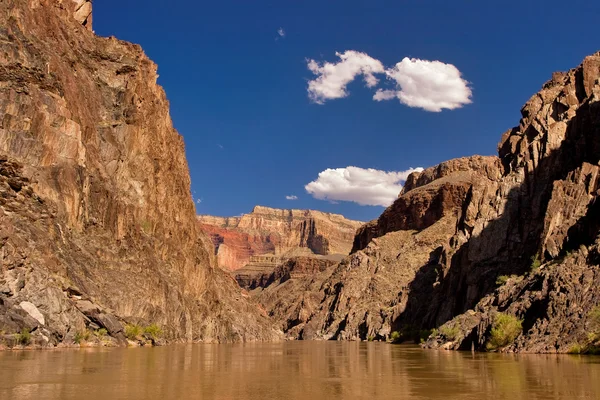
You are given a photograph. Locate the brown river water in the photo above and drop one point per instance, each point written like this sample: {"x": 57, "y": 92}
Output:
{"x": 293, "y": 370}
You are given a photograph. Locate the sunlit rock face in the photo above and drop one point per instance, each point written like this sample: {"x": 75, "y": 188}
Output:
{"x": 282, "y": 233}
{"x": 97, "y": 222}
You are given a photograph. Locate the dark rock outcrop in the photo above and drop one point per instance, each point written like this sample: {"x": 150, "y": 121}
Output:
{"x": 97, "y": 222}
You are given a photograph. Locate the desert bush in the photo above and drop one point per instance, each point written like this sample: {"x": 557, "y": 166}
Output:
{"x": 82, "y": 336}
{"x": 535, "y": 263}
{"x": 100, "y": 333}
{"x": 505, "y": 330}
{"x": 133, "y": 332}
{"x": 153, "y": 331}
{"x": 450, "y": 332}
{"x": 24, "y": 337}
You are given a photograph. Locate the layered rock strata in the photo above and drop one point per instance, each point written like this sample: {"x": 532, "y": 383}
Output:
{"x": 97, "y": 222}
{"x": 277, "y": 232}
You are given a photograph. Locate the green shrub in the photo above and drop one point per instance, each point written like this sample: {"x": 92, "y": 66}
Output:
{"x": 82, "y": 336}
{"x": 503, "y": 279}
{"x": 370, "y": 338}
{"x": 505, "y": 330}
{"x": 535, "y": 263}
{"x": 154, "y": 331}
{"x": 594, "y": 316}
{"x": 24, "y": 337}
{"x": 594, "y": 324}
{"x": 100, "y": 333}
{"x": 424, "y": 335}
{"x": 576, "y": 349}
{"x": 133, "y": 332}
{"x": 450, "y": 332}
{"x": 410, "y": 332}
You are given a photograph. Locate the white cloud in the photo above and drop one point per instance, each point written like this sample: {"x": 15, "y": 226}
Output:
{"x": 292, "y": 197}
{"x": 198, "y": 201}
{"x": 367, "y": 187}
{"x": 430, "y": 85}
{"x": 281, "y": 32}
{"x": 332, "y": 78}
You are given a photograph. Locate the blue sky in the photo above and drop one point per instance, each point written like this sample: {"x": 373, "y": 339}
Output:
{"x": 238, "y": 89}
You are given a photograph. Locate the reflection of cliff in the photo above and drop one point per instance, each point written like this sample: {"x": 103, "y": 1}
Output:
{"x": 308, "y": 370}
{"x": 278, "y": 232}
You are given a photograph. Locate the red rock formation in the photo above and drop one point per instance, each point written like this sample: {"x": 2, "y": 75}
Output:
{"x": 277, "y": 232}
{"x": 97, "y": 225}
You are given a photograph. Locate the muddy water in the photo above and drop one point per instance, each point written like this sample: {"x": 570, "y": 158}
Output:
{"x": 293, "y": 370}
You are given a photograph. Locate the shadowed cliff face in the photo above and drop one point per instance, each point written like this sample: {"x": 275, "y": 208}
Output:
{"x": 278, "y": 232}
{"x": 87, "y": 132}
{"x": 439, "y": 249}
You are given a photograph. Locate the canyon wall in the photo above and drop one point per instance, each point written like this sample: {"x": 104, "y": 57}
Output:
{"x": 278, "y": 232}
{"x": 98, "y": 225}
{"x": 441, "y": 254}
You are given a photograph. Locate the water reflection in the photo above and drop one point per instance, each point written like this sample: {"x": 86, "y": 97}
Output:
{"x": 294, "y": 370}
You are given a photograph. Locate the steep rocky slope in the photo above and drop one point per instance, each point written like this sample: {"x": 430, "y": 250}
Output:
{"x": 97, "y": 222}
{"x": 445, "y": 245}
{"x": 277, "y": 232}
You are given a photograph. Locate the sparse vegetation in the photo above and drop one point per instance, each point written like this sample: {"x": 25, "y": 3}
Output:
{"x": 410, "y": 333}
{"x": 594, "y": 316}
{"x": 153, "y": 331}
{"x": 370, "y": 338}
{"x": 82, "y": 336}
{"x": 424, "y": 335}
{"x": 136, "y": 332}
{"x": 505, "y": 330}
{"x": 133, "y": 332}
{"x": 576, "y": 349}
{"x": 24, "y": 338}
{"x": 100, "y": 333}
{"x": 535, "y": 263}
{"x": 503, "y": 279}
{"x": 450, "y": 332}
{"x": 146, "y": 226}
{"x": 593, "y": 336}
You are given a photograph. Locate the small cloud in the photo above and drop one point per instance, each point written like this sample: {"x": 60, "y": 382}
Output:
{"x": 220, "y": 146}
{"x": 281, "y": 32}
{"x": 367, "y": 187}
{"x": 292, "y": 197}
{"x": 198, "y": 201}
{"x": 332, "y": 78}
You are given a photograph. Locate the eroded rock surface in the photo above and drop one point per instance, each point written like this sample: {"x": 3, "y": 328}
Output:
{"x": 97, "y": 222}
{"x": 277, "y": 232}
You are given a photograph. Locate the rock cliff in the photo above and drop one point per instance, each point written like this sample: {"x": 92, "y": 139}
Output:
{"x": 97, "y": 222}
{"x": 277, "y": 232}
{"x": 476, "y": 237}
